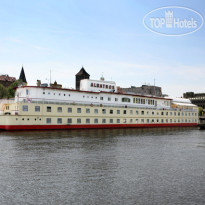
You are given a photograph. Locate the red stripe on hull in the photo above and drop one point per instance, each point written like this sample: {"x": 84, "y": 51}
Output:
{"x": 66, "y": 127}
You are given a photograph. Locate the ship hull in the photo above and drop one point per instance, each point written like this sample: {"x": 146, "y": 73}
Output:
{"x": 101, "y": 126}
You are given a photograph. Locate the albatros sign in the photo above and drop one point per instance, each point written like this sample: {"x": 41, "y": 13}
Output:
{"x": 173, "y": 21}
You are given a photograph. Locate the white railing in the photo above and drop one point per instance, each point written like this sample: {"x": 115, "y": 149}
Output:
{"x": 7, "y": 101}
{"x": 100, "y": 104}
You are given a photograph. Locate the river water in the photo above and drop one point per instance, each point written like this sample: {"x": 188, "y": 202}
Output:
{"x": 105, "y": 166}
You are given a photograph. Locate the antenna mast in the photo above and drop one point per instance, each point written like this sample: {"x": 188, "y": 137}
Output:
{"x": 50, "y": 77}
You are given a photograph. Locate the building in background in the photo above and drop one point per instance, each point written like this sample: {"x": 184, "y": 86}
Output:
{"x": 55, "y": 85}
{"x": 196, "y": 98}
{"x": 143, "y": 90}
{"x": 6, "y": 80}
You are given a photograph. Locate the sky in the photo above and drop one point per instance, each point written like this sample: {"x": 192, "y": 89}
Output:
{"x": 106, "y": 37}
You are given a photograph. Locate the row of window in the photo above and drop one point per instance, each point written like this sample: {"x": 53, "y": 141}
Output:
{"x": 143, "y": 101}
{"x": 111, "y": 111}
{"x": 103, "y": 121}
{"x": 63, "y": 94}
{"x": 124, "y": 99}
{"x": 29, "y": 119}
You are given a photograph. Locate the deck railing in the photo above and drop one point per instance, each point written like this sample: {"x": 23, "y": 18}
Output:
{"x": 94, "y": 104}
{"x": 7, "y": 101}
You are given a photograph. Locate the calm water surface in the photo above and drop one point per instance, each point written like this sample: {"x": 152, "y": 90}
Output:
{"x": 105, "y": 166}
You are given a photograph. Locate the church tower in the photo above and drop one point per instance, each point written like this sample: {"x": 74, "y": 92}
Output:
{"x": 22, "y": 76}
{"x": 82, "y": 74}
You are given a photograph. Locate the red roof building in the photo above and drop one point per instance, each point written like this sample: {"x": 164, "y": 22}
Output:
{"x": 6, "y": 80}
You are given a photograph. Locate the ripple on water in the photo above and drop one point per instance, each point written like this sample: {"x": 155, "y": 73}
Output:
{"x": 105, "y": 166}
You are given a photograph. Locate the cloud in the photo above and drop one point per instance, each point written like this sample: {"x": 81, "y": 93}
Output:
{"x": 28, "y": 45}
{"x": 190, "y": 72}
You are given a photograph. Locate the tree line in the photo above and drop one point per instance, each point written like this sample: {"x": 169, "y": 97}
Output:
{"x": 10, "y": 91}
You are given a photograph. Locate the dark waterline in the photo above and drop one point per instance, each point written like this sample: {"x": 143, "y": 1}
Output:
{"x": 105, "y": 166}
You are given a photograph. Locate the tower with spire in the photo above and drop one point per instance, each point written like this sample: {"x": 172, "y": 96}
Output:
{"x": 82, "y": 74}
{"x": 22, "y": 76}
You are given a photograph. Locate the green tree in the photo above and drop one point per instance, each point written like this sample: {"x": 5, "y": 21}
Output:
{"x": 12, "y": 89}
{"x": 200, "y": 109}
{"x": 3, "y": 91}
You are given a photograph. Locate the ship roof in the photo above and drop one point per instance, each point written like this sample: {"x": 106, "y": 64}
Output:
{"x": 82, "y": 91}
{"x": 184, "y": 104}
